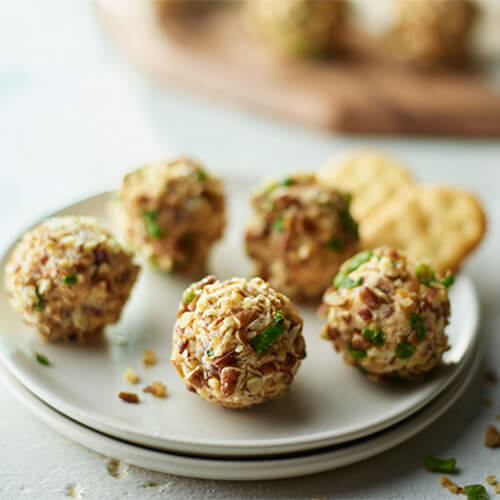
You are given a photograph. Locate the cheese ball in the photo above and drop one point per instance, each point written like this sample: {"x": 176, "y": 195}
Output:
{"x": 297, "y": 27}
{"x": 388, "y": 315}
{"x": 69, "y": 277}
{"x": 300, "y": 234}
{"x": 172, "y": 212}
{"x": 237, "y": 342}
{"x": 433, "y": 32}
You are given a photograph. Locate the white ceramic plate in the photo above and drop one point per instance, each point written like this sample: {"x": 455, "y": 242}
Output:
{"x": 245, "y": 469}
{"x": 329, "y": 402}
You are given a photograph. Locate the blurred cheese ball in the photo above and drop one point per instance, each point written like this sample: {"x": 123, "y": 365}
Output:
{"x": 388, "y": 315}
{"x": 172, "y": 212}
{"x": 297, "y": 27}
{"x": 237, "y": 342}
{"x": 433, "y": 32}
{"x": 69, "y": 277}
{"x": 300, "y": 234}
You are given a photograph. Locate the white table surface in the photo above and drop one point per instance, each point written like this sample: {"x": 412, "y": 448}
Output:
{"x": 74, "y": 116}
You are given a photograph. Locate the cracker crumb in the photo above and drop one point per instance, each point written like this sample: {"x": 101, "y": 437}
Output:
{"x": 156, "y": 389}
{"x": 491, "y": 377}
{"x": 129, "y": 397}
{"x": 451, "y": 486}
{"x": 115, "y": 469}
{"x": 131, "y": 376}
{"x": 149, "y": 357}
{"x": 492, "y": 437}
{"x": 74, "y": 490}
{"x": 491, "y": 480}
{"x": 497, "y": 488}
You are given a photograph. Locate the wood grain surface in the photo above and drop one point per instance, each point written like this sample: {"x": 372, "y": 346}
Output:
{"x": 360, "y": 92}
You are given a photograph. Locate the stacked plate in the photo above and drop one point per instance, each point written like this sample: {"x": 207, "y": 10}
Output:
{"x": 332, "y": 416}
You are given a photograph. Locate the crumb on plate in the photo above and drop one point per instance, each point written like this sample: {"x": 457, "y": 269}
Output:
{"x": 492, "y": 437}
{"x": 131, "y": 376}
{"x": 128, "y": 397}
{"x": 149, "y": 357}
{"x": 156, "y": 389}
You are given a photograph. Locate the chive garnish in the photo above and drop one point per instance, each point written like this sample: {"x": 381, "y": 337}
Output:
{"x": 375, "y": 336}
{"x": 336, "y": 244}
{"x": 38, "y": 306}
{"x": 342, "y": 280}
{"x": 346, "y": 218}
{"x": 71, "y": 279}
{"x": 438, "y": 465}
{"x": 425, "y": 273}
{"x": 405, "y": 350}
{"x": 476, "y": 492}
{"x": 356, "y": 353}
{"x": 417, "y": 323}
{"x": 287, "y": 181}
{"x": 210, "y": 352}
{"x": 263, "y": 341}
{"x": 188, "y": 296}
{"x": 358, "y": 260}
{"x": 447, "y": 281}
{"x": 151, "y": 223}
{"x": 42, "y": 359}
{"x": 278, "y": 225}
{"x": 201, "y": 175}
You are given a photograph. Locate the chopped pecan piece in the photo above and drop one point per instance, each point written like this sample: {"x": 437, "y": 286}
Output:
{"x": 384, "y": 286}
{"x": 359, "y": 342}
{"x": 129, "y": 397}
{"x": 195, "y": 378}
{"x": 226, "y": 359}
{"x": 182, "y": 345}
{"x": 365, "y": 313}
{"x": 229, "y": 379}
{"x": 492, "y": 437}
{"x": 267, "y": 368}
{"x": 368, "y": 297}
{"x": 333, "y": 333}
{"x": 243, "y": 316}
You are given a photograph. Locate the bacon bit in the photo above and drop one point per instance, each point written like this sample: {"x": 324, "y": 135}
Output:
{"x": 128, "y": 397}
{"x": 491, "y": 377}
{"x": 365, "y": 313}
{"x": 368, "y": 297}
{"x": 156, "y": 389}
{"x": 229, "y": 378}
{"x": 149, "y": 357}
{"x": 492, "y": 437}
{"x": 451, "y": 486}
{"x": 226, "y": 359}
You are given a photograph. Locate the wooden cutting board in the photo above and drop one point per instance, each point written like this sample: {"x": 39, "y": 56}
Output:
{"x": 362, "y": 93}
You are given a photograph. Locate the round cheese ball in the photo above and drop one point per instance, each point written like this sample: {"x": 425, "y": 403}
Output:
{"x": 300, "y": 234}
{"x": 297, "y": 27}
{"x": 433, "y": 32}
{"x": 172, "y": 212}
{"x": 237, "y": 342}
{"x": 69, "y": 277}
{"x": 388, "y": 315}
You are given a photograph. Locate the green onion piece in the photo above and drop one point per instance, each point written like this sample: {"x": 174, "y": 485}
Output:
{"x": 438, "y": 465}
{"x": 188, "y": 296}
{"x": 71, "y": 279}
{"x": 405, "y": 350}
{"x": 348, "y": 222}
{"x": 348, "y": 199}
{"x": 278, "y": 225}
{"x": 356, "y": 353}
{"x": 375, "y": 336}
{"x": 342, "y": 280}
{"x": 201, "y": 175}
{"x": 417, "y": 324}
{"x": 151, "y": 223}
{"x": 263, "y": 341}
{"x": 38, "y": 306}
{"x": 210, "y": 352}
{"x": 447, "y": 281}
{"x": 336, "y": 244}
{"x": 358, "y": 260}
{"x": 287, "y": 181}
{"x": 476, "y": 492}
{"x": 42, "y": 359}
{"x": 425, "y": 273}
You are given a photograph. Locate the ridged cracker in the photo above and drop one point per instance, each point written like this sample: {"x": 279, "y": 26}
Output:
{"x": 372, "y": 177}
{"x": 439, "y": 224}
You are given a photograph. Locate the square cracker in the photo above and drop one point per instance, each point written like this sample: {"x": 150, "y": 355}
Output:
{"x": 439, "y": 224}
{"x": 372, "y": 177}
